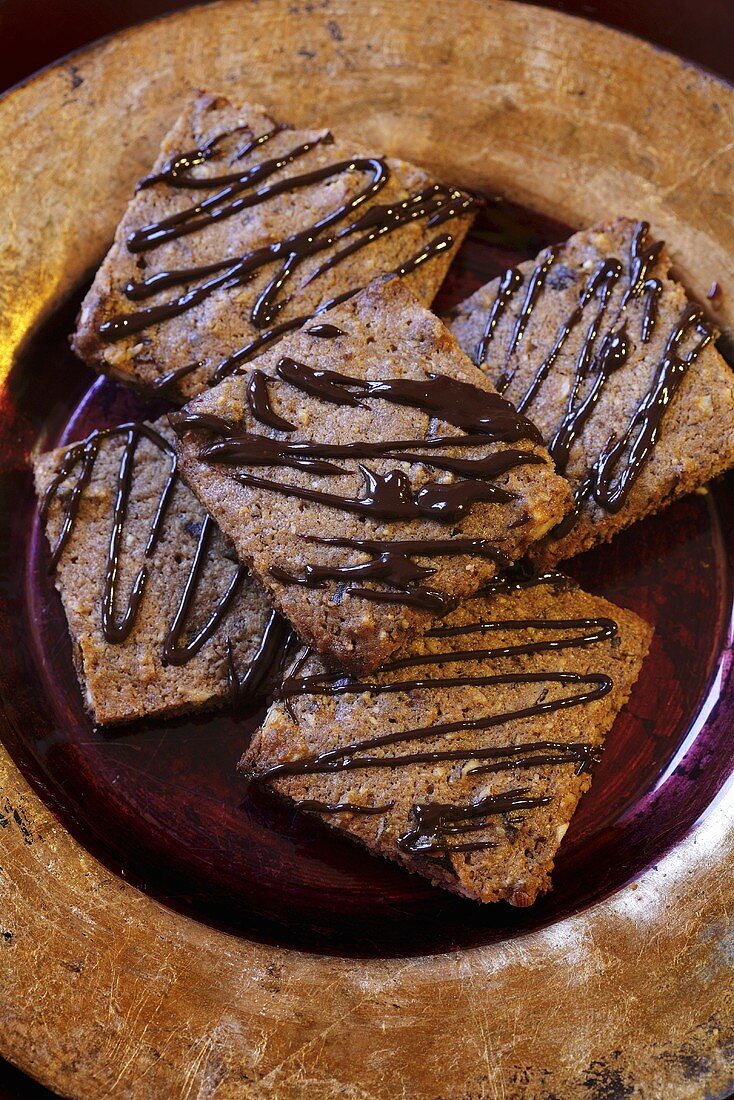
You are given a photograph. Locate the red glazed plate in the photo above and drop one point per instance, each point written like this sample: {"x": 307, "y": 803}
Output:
{"x": 161, "y": 804}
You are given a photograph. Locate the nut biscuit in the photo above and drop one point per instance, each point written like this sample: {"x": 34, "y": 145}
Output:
{"x": 370, "y": 479}
{"x": 465, "y": 756}
{"x": 602, "y": 349}
{"x": 243, "y": 229}
{"x": 147, "y": 654}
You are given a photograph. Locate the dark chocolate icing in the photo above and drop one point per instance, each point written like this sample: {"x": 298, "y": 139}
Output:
{"x": 391, "y": 496}
{"x": 391, "y": 562}
{"x": 277, "y": 640}
{"x": 644, "y": 254}
{"x": 232, "y": 363}
{"x": 484, "y": 416}
{"x": 241, "y": 190}
{"x": 83, "y": 456}
{"x": 258, "y": 401}
{"x": 436, "y": 823}
{"x": 314, "y": 806}
{"x": 613, "y": 474}
{"x": 325, "y": 331}
{"x": 78, "y": 463}
{"x": 177, "y": 173}
{"x": 593, "y": 686}
{"x": 166, "y": 382}
{"x": 535, "y": 286}
{"x": 653, "y": 288}
{"x": 631, "y": 450}
{"x": 449, "y": 399}
{"x": 174, "y": 653}
{"x": 508, "y": 284}
{"x": 246, "y": 448}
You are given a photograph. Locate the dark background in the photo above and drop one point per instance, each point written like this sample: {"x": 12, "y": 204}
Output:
{"x": 33, "y": 33}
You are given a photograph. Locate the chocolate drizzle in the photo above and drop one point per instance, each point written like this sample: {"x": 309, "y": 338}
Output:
{"x": 173, "y": 652}
{"x": 78, "y": 463}
{"x": 644, "y": 254}
{"x": 166, "y": 381}
{"x": 177, "y": 173}
{"x": 277, "y": 640}
{"x": 485, "y": 417}
{"x": 224, "y": 203}
{"x": 258, "y": 401}
{"x": 391, "y": 497}
{"x": 524, "y": 575}
{"x": 357, "y": 755}
{"x": 238, "y": 191}
{"x": 613, "y": 354}
{"x": 600, "y": 285}
{"x": 606, "y": 483}
{"x": 232, "y": 363}
{"x": 326, "y": 332}
{"x": 314, "y": 806}
{"x": 246, "y": 448}
{"x": 83, "y": 456}
{"x": 436, "y": 824}
{"x": 592, "y": 630}
{"x": 653, "y": 288}
{"x": 611, "y": 476}
{"x": 391, "y": 563}
{"x": 535, "y": 286}
{"x": 438, "y": 395}
{"x": 612, "y": 486}
{"x": 509, "y": 283}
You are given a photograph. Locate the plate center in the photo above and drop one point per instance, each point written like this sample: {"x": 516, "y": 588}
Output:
{"x": 161, "y": 804}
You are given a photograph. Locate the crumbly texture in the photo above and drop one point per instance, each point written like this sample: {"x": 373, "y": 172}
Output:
{"x": 386, "y": 334}
{"x": 696, "y": 438}
{"x": 219, "y": 326}
{"x": 124, "y": 681}
{"x": 517, "y": 868}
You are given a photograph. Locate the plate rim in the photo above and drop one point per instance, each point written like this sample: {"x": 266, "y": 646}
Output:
{"x": 39, "y": 856}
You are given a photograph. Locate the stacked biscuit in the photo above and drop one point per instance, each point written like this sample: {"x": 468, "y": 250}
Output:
{"x": 335, "y": 516}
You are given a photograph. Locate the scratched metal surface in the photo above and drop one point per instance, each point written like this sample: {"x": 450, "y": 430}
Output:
{"x": 108, "y": 993}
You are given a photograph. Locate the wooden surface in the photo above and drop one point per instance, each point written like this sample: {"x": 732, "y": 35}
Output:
{"x": 108, "y": 994}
